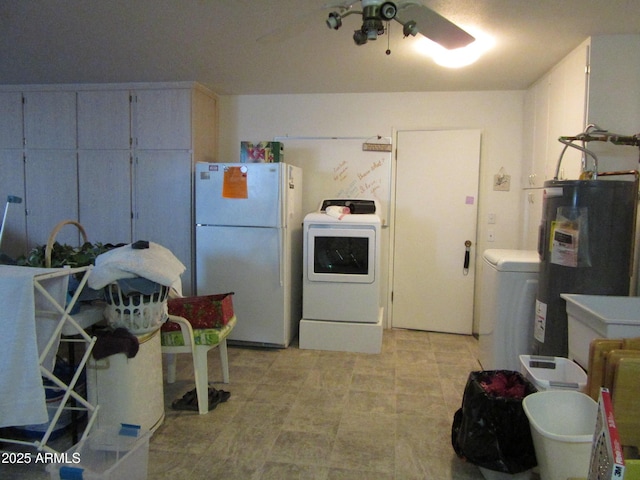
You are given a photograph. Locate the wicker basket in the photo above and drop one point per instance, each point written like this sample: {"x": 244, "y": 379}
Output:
{"x": 136, "y": 312}
{"x": 52, "y": 238}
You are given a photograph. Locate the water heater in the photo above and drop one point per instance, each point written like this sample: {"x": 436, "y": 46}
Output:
{"x": 585, "y": 244}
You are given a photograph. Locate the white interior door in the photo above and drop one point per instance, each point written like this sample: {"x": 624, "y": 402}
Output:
{"x": 435, "y": 214}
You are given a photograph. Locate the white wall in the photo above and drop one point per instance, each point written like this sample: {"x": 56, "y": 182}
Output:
{"x": 498, "y": 114}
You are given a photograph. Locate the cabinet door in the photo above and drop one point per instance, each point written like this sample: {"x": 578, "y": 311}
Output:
{"x": 104, "y": 120}
{"x": 50, "y": 119}
{"x": 51, "y": 195}
{"x": 11, "y": 120}
{"x": 162, "y": 201}
{"x": 14, "y": 236}
{"x": 104, "y": 191}
{"x": 531, "y": 218}
{"x": 540, "y": 132}
{"x": 162, "y": 119}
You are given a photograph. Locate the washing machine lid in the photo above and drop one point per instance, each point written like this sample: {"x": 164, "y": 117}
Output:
{"x": 513, "y": 260}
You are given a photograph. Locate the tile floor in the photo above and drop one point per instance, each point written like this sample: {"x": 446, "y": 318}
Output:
{"x": 305, "y": 414}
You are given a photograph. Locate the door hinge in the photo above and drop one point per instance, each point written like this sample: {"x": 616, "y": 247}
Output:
{"x": 391, "y": 296}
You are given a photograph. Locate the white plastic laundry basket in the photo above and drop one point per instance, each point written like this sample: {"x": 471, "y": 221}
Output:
{"x": 562, "y": 424}
{"x": 136, "y": 312}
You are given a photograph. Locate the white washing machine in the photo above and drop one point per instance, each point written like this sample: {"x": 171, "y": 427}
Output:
{"x": 508, "y": 286}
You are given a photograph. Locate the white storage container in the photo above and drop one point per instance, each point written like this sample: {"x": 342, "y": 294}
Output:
{"x": 599, "y": 316}
{"x": 129, "y": 390}
{"x": 553, "y": 373}
{"x": 562, "y": 423}
{"x": 110, "y": 453}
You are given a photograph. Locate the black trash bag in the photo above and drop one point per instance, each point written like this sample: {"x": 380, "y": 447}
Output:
{"x": 491, "y": 429}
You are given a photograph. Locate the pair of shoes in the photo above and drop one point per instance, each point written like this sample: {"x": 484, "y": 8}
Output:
{"x": 216, "y": 397}
{"x": 189, "y": 400}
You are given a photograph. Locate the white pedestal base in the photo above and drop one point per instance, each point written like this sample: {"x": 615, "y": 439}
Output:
{"x": 341, "y": 336}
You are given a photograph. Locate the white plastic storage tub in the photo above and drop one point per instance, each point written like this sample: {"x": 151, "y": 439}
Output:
{"x": 563, "y": 423}
{"x": 553, "y": 373}
{"x": 599, "y": 316}
{"x": 110, "y": 453}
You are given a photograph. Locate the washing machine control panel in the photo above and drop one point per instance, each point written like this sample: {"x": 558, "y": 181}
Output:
{"x": 357, "y": 206}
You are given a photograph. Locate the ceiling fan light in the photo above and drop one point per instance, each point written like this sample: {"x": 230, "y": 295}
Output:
{"x": 457, "y": 57}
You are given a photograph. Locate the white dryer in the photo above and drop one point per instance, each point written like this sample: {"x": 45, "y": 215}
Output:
{"x": 341, "y": 298}
{"x": 342, "y": 263}
{"x": 508, "y": 286}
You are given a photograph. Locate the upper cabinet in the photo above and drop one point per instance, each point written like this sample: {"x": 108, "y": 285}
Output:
{"x": 11, "y": 135}
{"x": 597, "y": 83}
{"x": 104, "y": 119}
{"x": 115, "y": 157}
{"x": 162, "y": 119}
{"x": 555, "y": 106}
{"x": 614, "y": 97}
{"x": 50, "y": 120}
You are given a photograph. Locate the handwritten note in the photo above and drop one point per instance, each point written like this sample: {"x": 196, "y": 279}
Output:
{"x": 339, "y": 168}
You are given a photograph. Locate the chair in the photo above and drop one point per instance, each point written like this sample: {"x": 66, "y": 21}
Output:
{"x": 199, "y": 344}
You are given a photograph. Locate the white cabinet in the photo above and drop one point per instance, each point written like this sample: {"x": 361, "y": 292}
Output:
{"x": 597, "y": 83}
{"x": 162, "y": 119}
{"x": 10, "y": 120}
{"x": 163, "y": 203}
{"x": 50, "y": 164}
{"x": 104, "y": 119}
{"x": 14, "y": 237}
{"x": 104, "y": 164}
{"x": 104, "y": 195}
{"x": 555, "y": 107}
{"x": 51, "y": 192}
{"x": 79, "y": 144}
{"x": 50, "y": 120}
{"x": 12, "y": 176}
{"x": 614, "y": 96}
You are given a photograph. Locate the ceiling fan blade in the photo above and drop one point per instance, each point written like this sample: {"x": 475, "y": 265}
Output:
{"x": 434, "y": 26}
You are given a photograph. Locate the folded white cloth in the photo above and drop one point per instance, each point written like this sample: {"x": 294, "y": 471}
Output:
{"x": 337, "y": 211}
{"x": 155, "y": 263}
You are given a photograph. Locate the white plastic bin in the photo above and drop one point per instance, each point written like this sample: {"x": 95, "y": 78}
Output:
{"x": 553, "y": 373}
{"x": 562, "y": 423}
{"x": 111, "y": 453}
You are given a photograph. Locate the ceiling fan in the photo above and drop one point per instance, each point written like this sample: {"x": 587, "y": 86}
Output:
{"x": 411, "y": 14}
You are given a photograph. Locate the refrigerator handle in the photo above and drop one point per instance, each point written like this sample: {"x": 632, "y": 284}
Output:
{"x": 281, "y": 250}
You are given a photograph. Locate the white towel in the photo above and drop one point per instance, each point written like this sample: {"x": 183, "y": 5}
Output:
{"x": 155, "y": 263}
{"x": 337, "y": 211}
{"x": 22, "y": 396}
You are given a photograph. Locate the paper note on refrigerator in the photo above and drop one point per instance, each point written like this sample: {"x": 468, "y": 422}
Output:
{"x": 235, "y": 183}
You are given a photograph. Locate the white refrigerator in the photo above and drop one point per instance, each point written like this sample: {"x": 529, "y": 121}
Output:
{"x": 249, "y": 241}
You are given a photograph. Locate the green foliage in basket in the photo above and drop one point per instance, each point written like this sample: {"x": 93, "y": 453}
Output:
{"x": 62, "y": 254}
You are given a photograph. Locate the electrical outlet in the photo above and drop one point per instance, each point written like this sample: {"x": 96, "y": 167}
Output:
{"x": 491, "y": 236}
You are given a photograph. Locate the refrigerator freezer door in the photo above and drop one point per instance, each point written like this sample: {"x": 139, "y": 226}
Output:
{"x": 245, "y": 260}
{"x": 261, "y": 207}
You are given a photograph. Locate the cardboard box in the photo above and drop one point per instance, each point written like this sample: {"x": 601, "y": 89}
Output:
{"x": 261, "y": 152}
